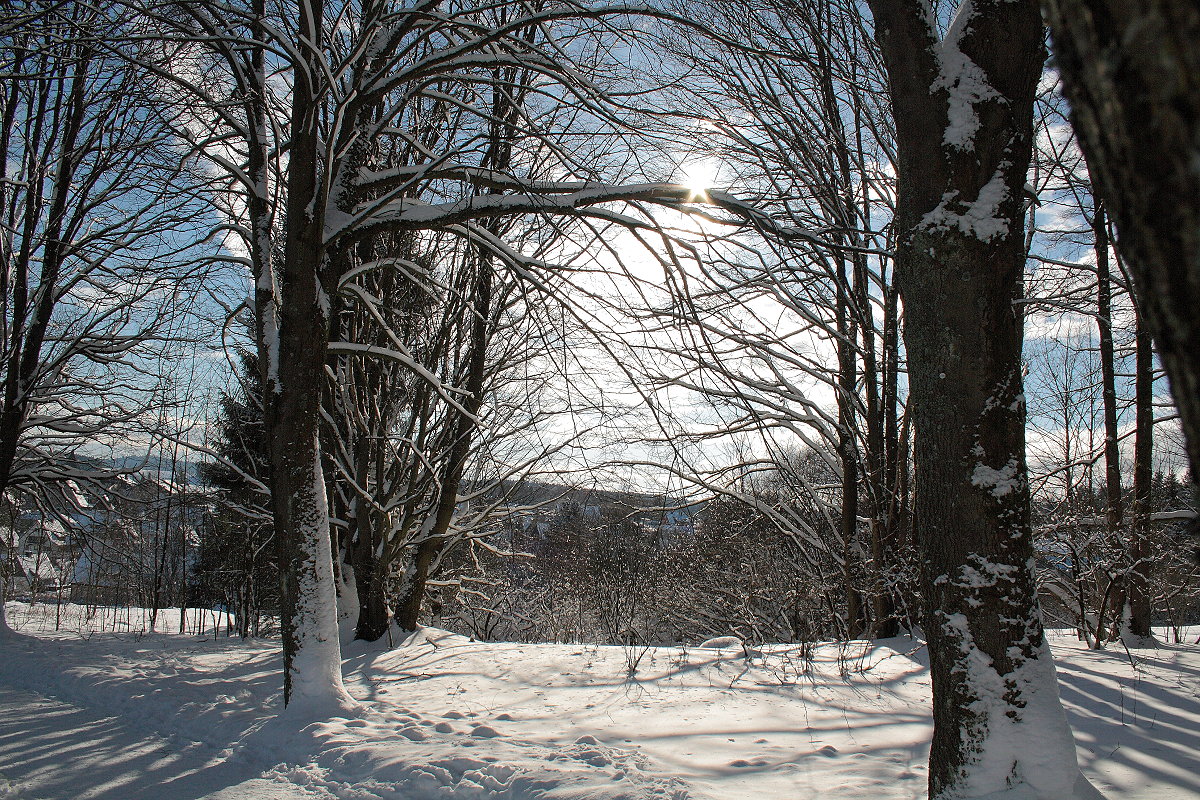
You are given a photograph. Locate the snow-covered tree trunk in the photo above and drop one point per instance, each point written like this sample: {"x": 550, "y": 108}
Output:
{"x": 963, "y": 104}
{"x": 294, "y": 362}
{"x": 1132, "y": 74}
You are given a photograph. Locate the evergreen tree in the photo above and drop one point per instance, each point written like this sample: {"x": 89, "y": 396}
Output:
{"x": 237, "y": 564}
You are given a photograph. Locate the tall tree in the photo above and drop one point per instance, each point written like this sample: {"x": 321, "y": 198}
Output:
{"x": 794, "y": 110}
{"x": 96, "y": 215}
{"x": 1132, "y": 74}
{"x": 1138, "y": 612}
{"x": 357, "y": 73}
{"x": 1108, "y": 367}
{"x": 962, "y": 95}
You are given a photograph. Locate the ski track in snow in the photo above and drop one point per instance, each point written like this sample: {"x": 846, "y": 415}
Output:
{"x": 99, "y": 716}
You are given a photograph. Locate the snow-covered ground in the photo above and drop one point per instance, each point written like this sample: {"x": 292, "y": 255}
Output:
{"x": 87, "y": 714}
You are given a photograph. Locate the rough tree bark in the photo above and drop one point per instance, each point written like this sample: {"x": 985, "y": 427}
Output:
{"x": 1132, "y": 74}
{"x": 294, "y": 363}
{"x": 963, "y": 105}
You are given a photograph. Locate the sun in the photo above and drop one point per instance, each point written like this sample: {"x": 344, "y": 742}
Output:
{"x": 698, "y": 175}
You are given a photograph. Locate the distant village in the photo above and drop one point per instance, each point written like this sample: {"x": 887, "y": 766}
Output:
{"x": 134, "y": 539}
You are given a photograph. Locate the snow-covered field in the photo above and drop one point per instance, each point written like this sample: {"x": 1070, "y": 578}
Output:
{"x": 87, "y": 714}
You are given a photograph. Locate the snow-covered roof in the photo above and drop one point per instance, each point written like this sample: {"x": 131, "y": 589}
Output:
{"x": 39, "y": 567}
{"x": 92, "y": 569}
{"x": 1166, "y": 516}
{"x": 55, "y": 530}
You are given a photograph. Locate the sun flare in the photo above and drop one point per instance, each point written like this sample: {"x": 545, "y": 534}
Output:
{"x": 699, "y": 177}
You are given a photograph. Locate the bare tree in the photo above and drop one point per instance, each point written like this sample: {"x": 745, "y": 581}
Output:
{"x": 773, "y": 329}
{"x": 98, "y": 240}
{"x": 358, "y": 74}
{"x": 97, "y": 222}
{"x": 962, "y": 94}
{"x": 1130, "y": 74}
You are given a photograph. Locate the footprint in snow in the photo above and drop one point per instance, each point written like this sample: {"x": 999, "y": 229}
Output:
{"x": 588, "y": 739}
{"x": 504, "y": 717}
{"x": 829, "y": 751}
{"x": 444, "y": 727}
{"x": 454, "y": 715}
{"x": 741, "y": 762}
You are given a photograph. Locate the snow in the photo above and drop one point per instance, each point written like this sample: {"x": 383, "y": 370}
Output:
{"x": 980, "y": 218}
{"x": 721, "y": 643}
{"x": 964, "y": 82}
{"x": 1026, "y": 749}
{"x": 92, "y": 620}
{"x": 999, "y": 482}
{"x": 90, "y": 714}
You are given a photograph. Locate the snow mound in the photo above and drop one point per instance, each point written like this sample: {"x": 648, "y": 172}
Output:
{"x": 484, "y": 732}
{"x": 722, "y": 643}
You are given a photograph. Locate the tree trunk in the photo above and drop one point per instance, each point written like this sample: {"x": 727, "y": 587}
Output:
{"x": 294, "y": 364}
{"x": 1132, "y": 74}
{"x": 892, "y": 539}
{"x": 412, "y": 592}
{"x": 963, "y": 105}
{"x": 429, "y": 550}
{"x": 505, "y": 106}
{"x": 1138, "y": 597}
{"x": 1108, "y": 370}
{"x": 848, "y": 452}
{"x": 1114, "y": 509}
{"x": 368, "y": 534}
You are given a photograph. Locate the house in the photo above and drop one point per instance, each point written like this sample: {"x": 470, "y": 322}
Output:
{"x": 35, "y": 575}
{"x": 35, "y": 555}
{"x": 98, "y": 581}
